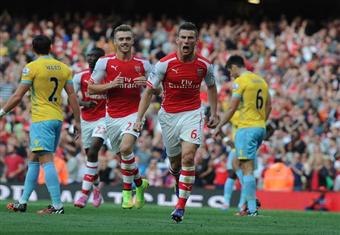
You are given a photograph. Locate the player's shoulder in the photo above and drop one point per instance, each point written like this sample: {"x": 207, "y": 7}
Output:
{"x": 140, "y": 59}
{"x": 102, "y": 61}
{"x": 203, "y": 59}
{"x": 169, "y": 57}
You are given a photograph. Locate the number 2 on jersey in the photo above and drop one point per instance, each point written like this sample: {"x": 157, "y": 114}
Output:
{"x": 55, "y": 81}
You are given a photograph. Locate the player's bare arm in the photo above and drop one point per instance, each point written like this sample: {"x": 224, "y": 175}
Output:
{"x": 268, "y": 106}
{"x": 143, "y": 106}
{"x": 73, "y": 100}
{"x": 235, "y": 101}
{"x": 87, "y": 104}
{"x": 212, "y": 96}
{"x": 15, "y": 99}
{"x": 140, "y": 81}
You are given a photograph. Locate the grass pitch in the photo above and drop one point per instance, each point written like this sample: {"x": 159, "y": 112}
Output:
{"x": 111, "y": 219}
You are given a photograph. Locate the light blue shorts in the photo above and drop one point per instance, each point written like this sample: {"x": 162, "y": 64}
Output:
{"x": 247, "y": 141}
{"x": 44, "y": 135}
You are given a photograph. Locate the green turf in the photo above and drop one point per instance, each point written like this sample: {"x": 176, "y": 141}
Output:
{"x": 110, "y": 219}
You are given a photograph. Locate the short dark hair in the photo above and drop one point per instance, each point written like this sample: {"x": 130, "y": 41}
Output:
{"x": 41, "y": 44}
{"x": 100, "y": 52}
{"x": 122, "y": 28}
{"x": 187, "y": 26}
{"x": 235, "y": 60}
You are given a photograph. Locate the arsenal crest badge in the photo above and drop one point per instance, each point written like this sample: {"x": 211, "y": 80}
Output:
{"x": 138, "y": 68}
{"x": 200, "y": 72}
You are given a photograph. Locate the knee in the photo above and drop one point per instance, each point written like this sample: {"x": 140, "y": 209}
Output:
{"x": 175, "y": 166}
{"x": 125, "y": 149}
{"x": 92, "y": 154}
{"x": 188, "y": 158}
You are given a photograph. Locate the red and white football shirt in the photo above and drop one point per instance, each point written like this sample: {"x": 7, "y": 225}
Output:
{"x": 181, "y": 82}
{"x": 123, "y": 100}
{"x": 80, "y": 82}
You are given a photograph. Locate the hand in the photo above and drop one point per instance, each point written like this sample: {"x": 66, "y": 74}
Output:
{"x": 213, "y": 121}
{"x": 77, "y": 130}
{"x": 89, "y": 104}
{"x": 138, "y": 126}
{"x": 217, "y": 132}
{"x": 140, "y": 81}
{"x": 117, "y": 81}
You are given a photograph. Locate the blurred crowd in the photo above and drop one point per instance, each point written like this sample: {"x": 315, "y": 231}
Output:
{"x": 299, "y": 59}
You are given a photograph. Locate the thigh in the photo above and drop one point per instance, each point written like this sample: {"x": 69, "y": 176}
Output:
{"x": 99, "y": 129}
{"x": 192, "y": 126}
{"x": 127, "y": 124}
{"x": 247, "y": 141}
{"x": 44, "y": 136}
{"x": 170, "y": 133}
{"x": 113, "y": 132}
{"x": 92, "y": 129}
{"x": 241, "y": 143}
{"x": 86, "y": 133}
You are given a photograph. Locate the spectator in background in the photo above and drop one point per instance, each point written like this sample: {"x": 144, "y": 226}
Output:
{"x": 61, "y": 168}
{"x": 298, "y": 172}
{"x": 278, "y": 177}
{"x": 337, "y": 177}
{"x": 14, "y": 166}
{"x": 153, "y": 174}
{"x": 204, "y": 169}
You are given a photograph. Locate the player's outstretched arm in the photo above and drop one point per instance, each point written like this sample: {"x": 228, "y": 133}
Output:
{"x": 15, "y": 99}
{"x": 143, "y": 106}
{"x": 212, "y": 97}
{"x": 72, "y": 98}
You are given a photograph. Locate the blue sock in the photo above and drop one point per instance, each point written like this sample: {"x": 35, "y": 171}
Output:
{"x": 228, "y": 189}
{"x": 52, "y": 183}
{"x": 30, "y": 181}
{"x": 242, "y": 198}
{"x": 249, "y": 184}
{"x": 239, "y": 174}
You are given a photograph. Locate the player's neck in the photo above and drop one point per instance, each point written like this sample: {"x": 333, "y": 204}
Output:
{"x": 43, "y": 55}
{"x": 186, "y": 58}
{"x": 243, "y": 71}
{"x": 124, "y": 56}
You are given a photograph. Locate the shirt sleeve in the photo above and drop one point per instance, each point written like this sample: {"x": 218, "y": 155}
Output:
{"x": 27, "y": 75}
{"x": 157, "y": 75}
{"x": 99, "y": 72}
{"x": 238, "y": 88}
{"x": 69, "y": 76}
{"x": 209, "y": 77}
{"x": 147, "y": 68}
{"x": 76, "y": 82}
